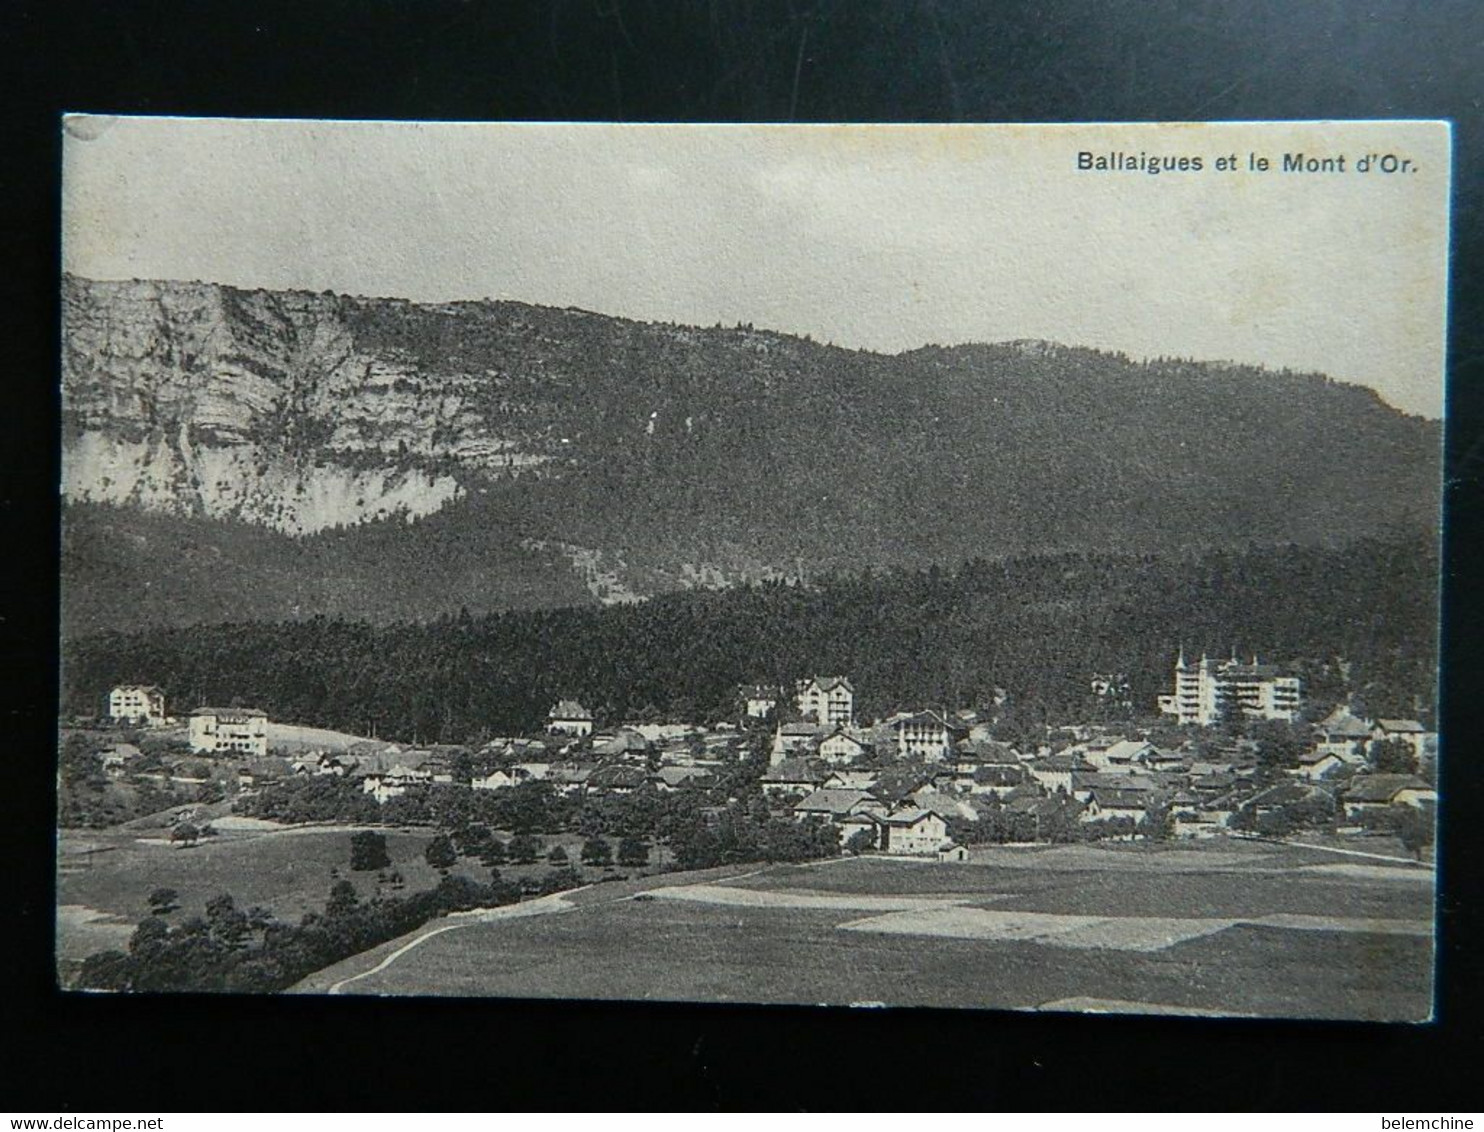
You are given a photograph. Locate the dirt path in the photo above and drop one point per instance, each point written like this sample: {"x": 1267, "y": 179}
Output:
{"x": 1355, "y": 853}
{"x": 587, "y": 896}
{"x": 544, "y": 905}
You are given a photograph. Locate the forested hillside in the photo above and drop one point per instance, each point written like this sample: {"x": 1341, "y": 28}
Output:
{"x": 1360, "y": 619}
{"x": 126, "y": 569}
{"x": 640, "y": 457}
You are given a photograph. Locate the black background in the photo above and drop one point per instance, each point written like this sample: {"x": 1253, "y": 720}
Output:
{"x": 728, "y": 60}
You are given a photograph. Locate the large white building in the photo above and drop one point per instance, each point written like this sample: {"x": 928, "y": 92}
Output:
{"x": 240, "y": 730}
{"x": 137, "y": 704}
{"x": 1205, "y": 689}
{"x": 827, "y": 700}
{"x": 569, "y": 718}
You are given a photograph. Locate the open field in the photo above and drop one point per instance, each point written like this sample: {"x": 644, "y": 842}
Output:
{"x": 104, "y": 878}
{"x": 295, "y": 739}
{"x": 1221, "y": 927}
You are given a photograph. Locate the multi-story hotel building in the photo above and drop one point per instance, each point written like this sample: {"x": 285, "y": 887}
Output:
{"x": 1207, "y": 688}
{"x": 240, "y": 730}
{"x": 828, "y": 700}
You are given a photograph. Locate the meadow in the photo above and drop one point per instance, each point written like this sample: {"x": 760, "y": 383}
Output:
{"x": 1264, "y": 930}
{"x": 105, "y": 878}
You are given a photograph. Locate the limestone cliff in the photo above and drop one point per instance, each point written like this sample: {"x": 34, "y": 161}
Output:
{"x": 261, "y": 406}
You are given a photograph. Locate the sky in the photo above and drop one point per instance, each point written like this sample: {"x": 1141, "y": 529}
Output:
{"x": 877, "y": 237}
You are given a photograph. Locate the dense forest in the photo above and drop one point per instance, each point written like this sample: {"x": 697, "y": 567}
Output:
{"x": 1358, "y": 620}
{"x": 127, "y": 569}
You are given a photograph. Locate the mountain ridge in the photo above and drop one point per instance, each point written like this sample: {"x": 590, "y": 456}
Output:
{"x": 655, "y": 456}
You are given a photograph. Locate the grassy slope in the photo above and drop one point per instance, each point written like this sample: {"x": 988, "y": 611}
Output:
{"x": 287, "y": 871}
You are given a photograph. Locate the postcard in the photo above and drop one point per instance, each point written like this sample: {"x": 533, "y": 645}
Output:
{"x": 966, "y": 566}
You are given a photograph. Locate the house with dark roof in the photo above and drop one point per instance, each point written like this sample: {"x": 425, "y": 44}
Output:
{"x": 996, "y": 781}
{"x": 1203, "y": 820}
{"x": 926, "y": 735}
{"x": 625, "y": 743}
{"x": 1105, "y": 803}
{"x": 1055, "y": 772}
{"x": 616, "y": 780}
{"x": 1380, "y": 791}
{"x": 569, "y": 778}
{"x": 895, "y": 784}
{"x": 568, "y": 717}
{"x": 837, "y": 805}
{"x": 929, "y": 797}
{"x": 1112, "y": 756}
{"x": 1340, "y": 733}
{"x": 1317, "y": 763}
{"x": 116, "y": 757}
{"x": 669, "y": 779}
{"x": 499, "y": 779}
{"x": 758, "y": 700}
{"x": 792, "y": 739}
{"x": 852, "y": 778}
{"x": 795, "y": 776}
{"x": 1085, "y": 782}
{"x": 1212, "y": 783}
{"x": 1171, "y": 762}
{"x": 866, "y": 823}
{"x": 255, "y": 773}
{"x": 723, "y": 746}
{"x": 984, "y": 752}
{"x": 1031, "y": 789}
{"x": 1289, "y": 794}
{"x": 1408, "y": 731}
{"x": 441, "y": 763}
{"x": 1039, "y": 808}
{"x": 841, "y": 745}
{"x": 1000, "y": 763}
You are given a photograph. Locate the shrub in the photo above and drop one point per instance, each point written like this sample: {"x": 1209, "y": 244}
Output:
{"x": 559, "y": 880}
{"x": 368, "y": 851}
{"x": 633, "y": 852}
{"x": 343, "y": 899}
{"x": 440, "y": 853}
{"x": 596, "y": 851}
{"x": 105, "y": 970}
{"x": 524, "y": 849}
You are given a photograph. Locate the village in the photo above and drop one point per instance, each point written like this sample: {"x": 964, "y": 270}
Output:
{"x": 1233, "y": 751}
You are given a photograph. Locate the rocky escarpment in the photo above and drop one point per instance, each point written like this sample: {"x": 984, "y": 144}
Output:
{"x": 263, "y": 406}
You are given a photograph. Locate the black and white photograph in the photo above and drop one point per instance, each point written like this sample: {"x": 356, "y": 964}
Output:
{"x": 979, "y": 567}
